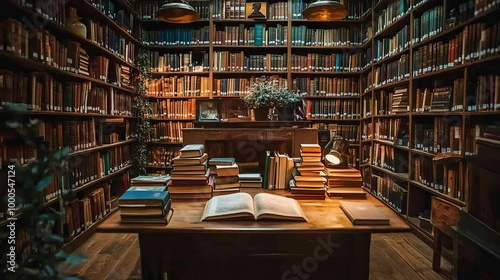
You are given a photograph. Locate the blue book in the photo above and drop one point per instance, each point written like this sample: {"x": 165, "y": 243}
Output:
{"x": 259, "y": 34}
{"x": 142, "y": 198}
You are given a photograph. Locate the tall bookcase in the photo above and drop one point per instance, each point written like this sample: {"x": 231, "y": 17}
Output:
{"x": 81, "y": 90}
{"x": 220, "y": 55}
{"x": 430, "y": 91}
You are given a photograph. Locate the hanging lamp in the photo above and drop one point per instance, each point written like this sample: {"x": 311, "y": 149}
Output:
{"x": 325, "y": 11}
{"x": 177, "y": 11}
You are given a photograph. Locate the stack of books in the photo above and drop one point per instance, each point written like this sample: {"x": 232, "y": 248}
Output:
{"x": 344, "y": 182}
{"x": 309, "y": 181}
{"x": 145, "y": 204}
{"x": 150, "y": 180}
{"x": 250, "y": 180}
{"x": 213, "y": 162}
{"x": 190, "y": 174}
{"x": 227, "y": 180}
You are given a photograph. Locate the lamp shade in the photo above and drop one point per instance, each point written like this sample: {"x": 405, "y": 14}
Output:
{"x": 177, "y": 11}
{"x": 325, "y": 11}
{"x": 336, "y": 151}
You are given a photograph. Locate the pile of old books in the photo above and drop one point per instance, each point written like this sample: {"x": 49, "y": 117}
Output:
{"x": 190, "y": 174}
{"x": 226, "y": 177}
{"x": 344, "y": 182}
{"x": 250, "y": 180}
{"x": 309, "y": 181}
{"x": 146, "y": 201}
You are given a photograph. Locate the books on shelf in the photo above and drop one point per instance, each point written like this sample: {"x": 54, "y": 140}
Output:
{"x": 261, "y": 206}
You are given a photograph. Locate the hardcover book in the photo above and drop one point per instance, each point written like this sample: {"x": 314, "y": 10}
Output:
{"x": 261, "y": 206}
{"x": 192, "y": 150}
{"x": 362, "y": 213}
{"x": 133, "y": 198}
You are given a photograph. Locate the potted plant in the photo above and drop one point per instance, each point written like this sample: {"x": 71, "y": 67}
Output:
{"x": 265, "y": 94}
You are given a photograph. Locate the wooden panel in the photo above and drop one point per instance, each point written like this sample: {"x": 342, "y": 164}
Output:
{"x": 444, "y": 215}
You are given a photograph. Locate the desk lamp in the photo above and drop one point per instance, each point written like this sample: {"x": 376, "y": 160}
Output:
{"x": 177, "y": 11}
{"x": 335, "y": 152}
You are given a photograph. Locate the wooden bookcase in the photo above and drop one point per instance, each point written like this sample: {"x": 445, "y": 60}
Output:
{"x": 411, "y": 178}
{"x": 90, "y": 112}
{"x": 218, "y": 78}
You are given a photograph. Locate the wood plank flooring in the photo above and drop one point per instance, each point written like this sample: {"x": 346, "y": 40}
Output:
{"x": 114, "y": 256}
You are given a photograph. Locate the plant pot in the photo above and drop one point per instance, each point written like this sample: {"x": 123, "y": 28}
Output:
{"x": 286, "y": 113}
{"x": 261, "y": 114}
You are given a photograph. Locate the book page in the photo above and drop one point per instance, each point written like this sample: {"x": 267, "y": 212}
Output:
{"x": 277, "y": 207}
{"x": 229, "y": 206}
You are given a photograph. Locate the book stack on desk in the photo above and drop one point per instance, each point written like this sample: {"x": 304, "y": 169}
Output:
{"x": 344, "y": 182}
{"x": 150, "y": 180}
{"x": 250, "y": 180}
{"x": 145, "y": 204}
{"x": 227, "y": 180}
{"x": 308, "y": 181}
{"x": 213, "y": 162}
{"x": 190, "y": 174}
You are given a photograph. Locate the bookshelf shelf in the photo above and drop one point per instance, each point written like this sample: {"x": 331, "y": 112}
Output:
{"x": 391, "y": 116}
{"x": 250, "y": 47}
{"x": 324, "y": 73}
{"x": 38, "y": 66}
{"x": 102, "y": 147}
{"x": 390, "y": 143}
{"x": 423, "y": 153}
{"x": 203, "y": 73}
{"x": 102, "y": 179}
{"x": 332, "y": 120}
{"x": 392, "y": 84}
{"x": 438, "y": 193}
{"x": 394, "y": 27}
{"x": 458, "y": 67}
{"x": 87, "y": 44}
{"x": 72, "y": 114}
{"x": 186, "y": 47}
{"x": 400, "y": 176}
{"x": 175, "y": 97}
{"x": 250, "y": 73}
{"x": 330, "y": 97}
{"x": 367, "y": 15}
{"x": 425, "y": 5}
{"x": 329, "y": 48}
{"x": 164, "y": 23}
{"x": 391, "y": 57}
{"x": 171, "y": 119}
{"x": 128, "y": 7}
{"x": 335, "y": 22}
{"x": 436, "y": 114}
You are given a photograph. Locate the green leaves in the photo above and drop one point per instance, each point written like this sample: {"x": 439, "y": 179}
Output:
{"x": 43, "y": 183}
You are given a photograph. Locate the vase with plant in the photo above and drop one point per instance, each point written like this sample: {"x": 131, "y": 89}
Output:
{"x": 265, "y": 94}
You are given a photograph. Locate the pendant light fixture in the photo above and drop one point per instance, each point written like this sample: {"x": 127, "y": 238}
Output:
{"x": 177, "y": 11}
{"x": 325, "y": 11}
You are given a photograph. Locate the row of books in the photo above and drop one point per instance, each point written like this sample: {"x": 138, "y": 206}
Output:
{"x": 172, "y": 109}
{"x": 393, "y": 11}
{"x": 91, "y": 166}
{"x": 108, "y": 7}
{"x": 390, "y": 103}
{"x": 397, "y": 70}
{"x": 258, "y": 35}
{"x": 238, "y": 62}
{"x": 335, "y": 109}
{"x": 315, "y": 37}
{"x": 428, "y": 24}
{"x": 240, "y": 86}
{"x": 486, "y": 96}
{"x": 52, "y": 9}
{"x": 487, "y": 131}
{"x": 329, "y": 130}
{"x": 388, "y": 190}
{"x": 344, "y": 182}
{"x": 106, "y": 37}
{"x": 179, "y": 62}
{"x": 445, "y": 98}
{"x": 177, "y": 37}
{"x": 387, "y": 47}
{"x": 393, "y": 130}
{"x": 444, "y": 178}
{"x": 390, "y": 158}
{"x": 441, "y": 136}
{"x": 42, "y": 92}
{"x": 162, "y": 156}
{"x": 277, "y": 170}
{"x": 168, "y": 131}
{"x": 336, "y": 62}
{"x": 326, "y": 86}
{"x": 80, "y": 214}
{"x": 475, "y": 41}
{"x": 147, "y": 9}
{"x": 188, "y": 86}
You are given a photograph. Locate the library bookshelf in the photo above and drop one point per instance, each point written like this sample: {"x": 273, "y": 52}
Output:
{"x": 223, "y": 53}
{"x": 80, "y": 88}
{"x": 429, "y": 92}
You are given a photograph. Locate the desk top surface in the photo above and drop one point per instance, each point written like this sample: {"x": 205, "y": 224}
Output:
{"x": 322, "y": 215}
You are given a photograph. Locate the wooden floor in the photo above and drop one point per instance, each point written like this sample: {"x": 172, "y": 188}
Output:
{"x": 392, "y": 256}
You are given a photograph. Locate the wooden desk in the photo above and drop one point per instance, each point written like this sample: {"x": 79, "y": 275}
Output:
{"x": 328, "y": 246}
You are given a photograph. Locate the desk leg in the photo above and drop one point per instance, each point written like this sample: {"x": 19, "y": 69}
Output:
{"x": 360, "y": 257}
{"x": 151, "y": 247}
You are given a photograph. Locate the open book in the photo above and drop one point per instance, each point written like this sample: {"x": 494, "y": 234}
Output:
{"x": 262, "y": 206}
